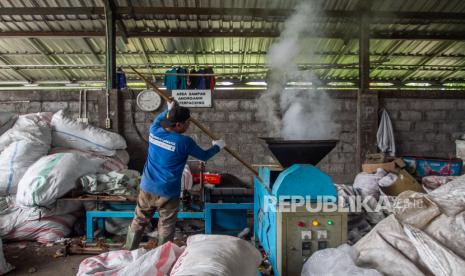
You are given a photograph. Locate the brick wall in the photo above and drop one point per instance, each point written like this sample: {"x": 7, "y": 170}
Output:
{"x": 426, "y": 127}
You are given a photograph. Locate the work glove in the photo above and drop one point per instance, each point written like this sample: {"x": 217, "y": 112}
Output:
{"x": 220, "y": 143}
{"x": 171, "y": 104}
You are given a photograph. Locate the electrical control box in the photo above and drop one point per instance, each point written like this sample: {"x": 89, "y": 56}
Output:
{"x": 301, "y": 233}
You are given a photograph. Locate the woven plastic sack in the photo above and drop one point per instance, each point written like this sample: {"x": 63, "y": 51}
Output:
{"x": 335, "y": 262}
{"x": 51, "y": 177}
{"x": 4, "y": 266}
{"x": 43, "y": 230}
{"x": 212, "y": 255}
{"x": 15, "y": 160}
{"x": 69, "y": 133}
{"x": 34, "y": 127}
{"x": 109, "y": 163}
{"x": 158, "y": 261}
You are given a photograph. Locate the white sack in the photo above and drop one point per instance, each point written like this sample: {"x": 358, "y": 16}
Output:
{"x": 109, "y": 163}
{"x": 70, "y": 133}
{"x": 439, "y": 260}
{"x": 385, "y": 135}
{"x": 335, "y": 262}
{"x": 123, "y": 156}
{"x": 44, "y": 230}
{"x": 157, "y": 261}
{"x": 7, "y": 120}
{"x": 451, "y": 197}
{"x": 15, "y": 160}
{"x": 51, "y": 177}
{"x": 367, "y": 183}
{"x": 4, "y": 266}
{"x": 213, "y": 255}
{"x": 33, "y": 128}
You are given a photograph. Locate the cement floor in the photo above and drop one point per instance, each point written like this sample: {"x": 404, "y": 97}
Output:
{"x": 29, "y": 256}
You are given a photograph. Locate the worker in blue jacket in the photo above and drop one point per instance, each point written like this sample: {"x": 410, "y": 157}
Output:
{"x": 161, "y": 180}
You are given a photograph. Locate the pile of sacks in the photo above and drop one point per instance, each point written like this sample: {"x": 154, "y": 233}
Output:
{"x": 425, "y": 235}
{"x": 207, "y": 255}
{"x": 42, "y": 157}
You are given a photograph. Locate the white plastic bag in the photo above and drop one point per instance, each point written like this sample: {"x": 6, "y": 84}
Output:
{"x": 15, "y": 160}
{"x": 213, "y": 255}
{"x": 367, "y": 183}
{"x": 4, "y": 266}
{"x": 51, "y": 177}
{"x": 70, "y": 133}
{"x": 158, "y": 261}
{"x": 335, "y": 262}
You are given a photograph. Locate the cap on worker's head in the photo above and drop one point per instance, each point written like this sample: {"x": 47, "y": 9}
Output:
{"x": 178, "y": 114}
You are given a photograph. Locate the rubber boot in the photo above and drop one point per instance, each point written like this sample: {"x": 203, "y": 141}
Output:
{"x": 162, "y": 240}
{"x": 133, "y": 239}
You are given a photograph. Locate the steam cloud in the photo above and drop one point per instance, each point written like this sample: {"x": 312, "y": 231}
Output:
{"x": 295, "y": 114}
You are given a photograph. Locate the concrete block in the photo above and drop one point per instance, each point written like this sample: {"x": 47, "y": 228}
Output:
{"x": 435, "y": 137}
{"x": 446, "y": 104}
{"x": 456, "y": 115}
{"x": 394, "y": 105}
{"x": 248, "y": 105}
{"x": 53, "y": 106}
{"x": 350, "y": 105}
{"x": 402, "y": 125}
{"x": 410, "y": 115}
{"x": 215, "y": 116}
{"x": 436, "y": 115}
{"x": 424, "y": 125}
{"x": 242, "y": 116}
{"x": 460, "y": 104}
{"x": 228, "y": 105}
{"x": 30, "y": 107}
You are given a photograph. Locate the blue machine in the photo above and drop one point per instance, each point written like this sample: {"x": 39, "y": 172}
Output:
{"x": 289, "y": 237}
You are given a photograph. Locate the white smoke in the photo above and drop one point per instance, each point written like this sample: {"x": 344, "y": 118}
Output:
{"x": 294, "y": 114}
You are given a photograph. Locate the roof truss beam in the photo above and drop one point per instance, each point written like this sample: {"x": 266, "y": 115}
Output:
{"x": 254, "y": 12}
{"x": 456, "y": 36}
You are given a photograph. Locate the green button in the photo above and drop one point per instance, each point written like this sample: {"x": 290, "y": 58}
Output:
{"x": 330, "y": 222}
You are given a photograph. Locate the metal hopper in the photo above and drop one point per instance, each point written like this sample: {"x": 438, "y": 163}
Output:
{"x": 289, "y": 152}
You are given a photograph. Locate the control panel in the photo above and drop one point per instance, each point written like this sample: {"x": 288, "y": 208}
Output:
{"x": 305, "y": 233}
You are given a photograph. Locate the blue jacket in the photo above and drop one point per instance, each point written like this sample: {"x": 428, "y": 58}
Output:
{"x": 167, "y": 156}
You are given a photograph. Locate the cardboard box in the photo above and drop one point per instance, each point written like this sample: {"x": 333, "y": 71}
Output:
{"x": 404, "y": 182}
{"x": 371, "y": 168}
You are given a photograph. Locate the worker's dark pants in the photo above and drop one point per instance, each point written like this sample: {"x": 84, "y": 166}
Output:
{"x": 147, "y": 204}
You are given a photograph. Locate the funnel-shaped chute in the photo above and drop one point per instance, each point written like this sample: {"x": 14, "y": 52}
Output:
{"x": 289, "y": 152}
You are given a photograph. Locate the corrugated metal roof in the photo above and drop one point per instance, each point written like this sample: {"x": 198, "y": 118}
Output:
{"x": 391, "y": 59}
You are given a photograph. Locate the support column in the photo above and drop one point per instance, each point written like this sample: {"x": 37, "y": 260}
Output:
{"x": 110, "y": 109}
{"x": 367, "y": 102}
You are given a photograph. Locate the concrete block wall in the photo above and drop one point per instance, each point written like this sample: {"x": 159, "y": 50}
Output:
{"x": 427, "y": 127}
{"x": 23, "y": 102}
{"x": 233, "y": 118}
{"x": 423, "y": 126}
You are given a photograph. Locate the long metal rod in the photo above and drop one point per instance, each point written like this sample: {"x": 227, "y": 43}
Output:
{"x": 197, "y": 123}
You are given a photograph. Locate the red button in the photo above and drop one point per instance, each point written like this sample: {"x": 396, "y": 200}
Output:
{"x": 301, "y": 224}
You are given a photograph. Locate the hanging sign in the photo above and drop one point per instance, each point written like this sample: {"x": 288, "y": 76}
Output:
{"x": 193, "y": 98}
